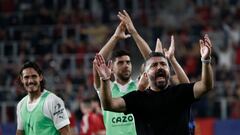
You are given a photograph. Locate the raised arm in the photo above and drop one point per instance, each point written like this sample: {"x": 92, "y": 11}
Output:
{"x": 108, "y": 47}
{"x": 141, "y": 43}
{"x": 206, "y": 83}
{"x": 104, "y": 71}
{"x": 118, "y": 35}
{"x": 180, "y": 76}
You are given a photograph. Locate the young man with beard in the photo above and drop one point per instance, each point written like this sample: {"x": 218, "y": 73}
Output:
{"x": 161, "y": 109}
{"x": 40, "y": 112}
{"x": 119, "y": 123}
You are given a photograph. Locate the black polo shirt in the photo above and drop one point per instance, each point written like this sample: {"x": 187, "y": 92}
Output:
{"x": 166, "y": 112}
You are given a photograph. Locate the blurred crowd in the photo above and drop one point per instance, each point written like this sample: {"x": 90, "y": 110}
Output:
{"x": 64, "y": 35}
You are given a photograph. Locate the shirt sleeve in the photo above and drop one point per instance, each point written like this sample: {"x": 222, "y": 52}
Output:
{"x": 132, "y": 102}
{"x": 19, "y": 119}
{"x": 54, "y": 109}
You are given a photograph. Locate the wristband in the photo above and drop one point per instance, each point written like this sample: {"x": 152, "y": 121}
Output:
{"x": 208, "y": 61}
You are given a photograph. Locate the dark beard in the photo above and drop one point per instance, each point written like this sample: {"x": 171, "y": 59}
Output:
{"x": 160, "y": 73}
{"x": 161, "y": 85}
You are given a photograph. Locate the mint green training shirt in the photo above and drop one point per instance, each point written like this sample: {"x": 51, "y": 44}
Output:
{"x": 34, "y": 122}
{"x": 119, "y": 123}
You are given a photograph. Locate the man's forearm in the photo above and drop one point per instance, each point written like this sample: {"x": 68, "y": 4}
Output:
{"x": 109, "y": 103}
{"x": 108, "y": 47}
{"x": 207, "y": 76}
{"x": 96, "y": 78}
{"x": 105, "y": 94}
{"x": 206, "y": 83}
{"x": 181, "y": 75}
{"x": 65, "y": 130}
{"x": 141, "y": 44}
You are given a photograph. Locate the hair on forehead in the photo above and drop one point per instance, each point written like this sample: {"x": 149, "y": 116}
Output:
{"x": 155, "y": 54}
{"x": 151, "y": 55}
{"x": 30, "y": 64}
{"x": 119, "y": 53}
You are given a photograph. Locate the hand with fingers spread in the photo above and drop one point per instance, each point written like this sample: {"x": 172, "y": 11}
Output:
{"x": 205, "y": 48}
{"x": 103, "y": 70}
{"x": 120, "y": 32}
{"x": 170, "y": 52}
{"x": 159, "y": 46}
{"x": 125, "y": 18}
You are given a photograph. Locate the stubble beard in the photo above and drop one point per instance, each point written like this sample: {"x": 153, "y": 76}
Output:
{"x": 159, "y": 84}
{"x": 124, "y": 78}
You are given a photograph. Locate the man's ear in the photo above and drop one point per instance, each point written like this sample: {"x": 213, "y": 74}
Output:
{"x": 112, "y": 68}
{"x": 41, "y": 77}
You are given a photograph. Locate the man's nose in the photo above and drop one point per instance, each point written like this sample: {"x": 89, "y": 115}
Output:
{"x": 30, "y": 80}
{"x": 126, "y": 64}
{"x": 159, "y": 66}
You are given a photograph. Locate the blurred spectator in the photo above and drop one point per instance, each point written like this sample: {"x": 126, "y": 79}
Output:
{"x": 73, "y": 123}
{"x": 91, "y": 123}
{"x": 235, "y": 105}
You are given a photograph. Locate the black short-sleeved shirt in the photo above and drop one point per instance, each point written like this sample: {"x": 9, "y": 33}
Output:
{"x": 165, "y": 112}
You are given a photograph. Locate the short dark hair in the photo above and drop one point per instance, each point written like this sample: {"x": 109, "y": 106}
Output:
{"x": 30, "y": 64}
{"x": 155, "y": 54}
{"x": 119, "y": 53}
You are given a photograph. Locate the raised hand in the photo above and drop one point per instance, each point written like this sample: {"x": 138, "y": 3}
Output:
{"x": 170, "y": 52}
{"x": 143, "y": 82}
{"x": 125, "y": 18}
{"x": 205, "y": 47}
{"x": 120, "y": 32}
{"x": 104, "y": 71}
{"x": 158, "y": 46}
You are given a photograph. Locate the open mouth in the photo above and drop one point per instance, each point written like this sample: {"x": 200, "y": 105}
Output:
{"x": 161, "y": 74}
{"x": 160, "y": 78}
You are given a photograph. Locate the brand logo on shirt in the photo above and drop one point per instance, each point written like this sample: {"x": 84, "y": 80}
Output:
{"x": 122, "y": 119}
{"x": 58, "y": 111}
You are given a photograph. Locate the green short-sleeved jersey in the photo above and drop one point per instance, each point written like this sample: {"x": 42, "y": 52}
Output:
{"x": 119, "y": 123}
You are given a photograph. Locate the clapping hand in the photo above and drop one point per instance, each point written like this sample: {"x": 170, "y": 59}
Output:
{"x": 143, "y": 82}
{"x": 168, "y": 53}
{"x": 120, "y": 32}
{"x": 205, "y": 47}
{"x": 125, "y": 18}
{"x": 104, "y": 71}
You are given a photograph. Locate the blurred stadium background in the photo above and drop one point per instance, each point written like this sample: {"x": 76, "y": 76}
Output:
{"x": 63, "y": 36}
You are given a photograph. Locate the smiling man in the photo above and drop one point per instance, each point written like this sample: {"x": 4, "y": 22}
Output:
{"x": 40, "y": 112}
